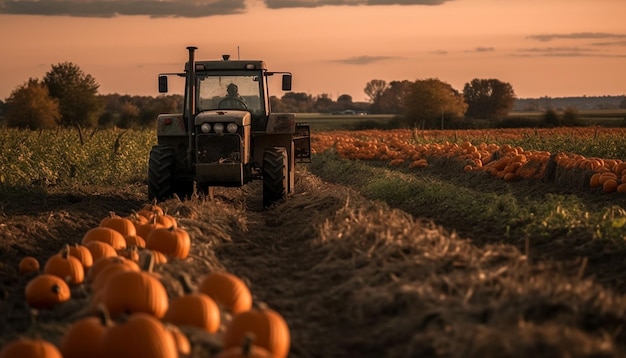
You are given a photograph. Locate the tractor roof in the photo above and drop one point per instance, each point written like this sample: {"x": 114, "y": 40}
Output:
{"x": 229, "y": 65}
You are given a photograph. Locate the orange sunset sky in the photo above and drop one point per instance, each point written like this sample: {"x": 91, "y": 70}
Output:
{"x": 550, "y": 48}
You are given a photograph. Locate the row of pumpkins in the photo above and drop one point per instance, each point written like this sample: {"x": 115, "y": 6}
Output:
{"x": 130, "y": 312}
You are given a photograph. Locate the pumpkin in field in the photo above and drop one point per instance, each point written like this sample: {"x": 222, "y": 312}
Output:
{"x": 122, "y": 225}
{"x": 171, "y": 241}
{"x": 194, "y": 309}
{"x": 45, "y": 291}
{"x": 100, "y": 249}
{"x": 227, "y": 290}
{"x": 82, "y": 338}
{"x": 132, "y": 291}
{"x": 107, "y": 235}
{"x": 610, "y": 185}
{"x": 83, "y": 255}
{"x": 141, "y": 336}
{"x": 66, "y": 267}
{"x": 269, "y": 329}
{"x": 165, "y": 220}
{"x": 28, "y": 265}
{"x": 30, "y": 348}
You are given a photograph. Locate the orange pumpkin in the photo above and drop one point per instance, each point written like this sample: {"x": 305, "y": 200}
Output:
{"x": 30, "y": 348}
{"x": 107, "y": 235}
{"x": 153, "y": 208}
{"x": 45, "y": 291}
{"x": 194, "y": 309}
{"x": 28, "y": 265}
{"x": 132, "y": 291}
{"x": 111, "y": 215}
{"x": 141, "y": 336}
{"x": 122, "y": 225}
{"x": 227, "y": 290}
{"x": 82, "y": 338}
{"x": 165, "y": 220}
{"x": 100, "y": 249}
{"x": 66, "y": 267}
{"x": 610, "y": 186}
{"x": 268, "y": 327}
{"x": 172, "y": 241}
{"x": 82, "y": 253}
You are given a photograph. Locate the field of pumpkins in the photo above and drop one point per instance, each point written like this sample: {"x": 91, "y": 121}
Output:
{"x": 118, "y": 305}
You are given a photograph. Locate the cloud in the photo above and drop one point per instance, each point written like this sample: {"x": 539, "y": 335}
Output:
{"x": 577, "y": 36}
{"x": 482, "y": 49}
{"x": 111, "y": 8}
{"x": 363, "y": 60}
{"x": 278, "y": 4}
{"x": 610, "y": 43}
{"x": 439, "y": 52}
{"x": 564, "y": 52}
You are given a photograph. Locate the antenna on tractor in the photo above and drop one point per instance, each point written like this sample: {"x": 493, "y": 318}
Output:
{"x": 238, "y": 58}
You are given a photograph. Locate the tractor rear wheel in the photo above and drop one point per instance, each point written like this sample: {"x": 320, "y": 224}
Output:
{"x": 275, "y": 179}
{"x": 162, "y": 181}
{"x": 161, "y": 172}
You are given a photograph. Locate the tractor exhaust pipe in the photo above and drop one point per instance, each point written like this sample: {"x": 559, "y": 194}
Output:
{"x": 190, "y": 105}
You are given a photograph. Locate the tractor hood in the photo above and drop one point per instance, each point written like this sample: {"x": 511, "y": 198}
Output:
{"x": 241, "y": 118}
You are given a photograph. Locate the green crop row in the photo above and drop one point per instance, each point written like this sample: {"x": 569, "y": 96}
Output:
{"x": 68, "y": 157}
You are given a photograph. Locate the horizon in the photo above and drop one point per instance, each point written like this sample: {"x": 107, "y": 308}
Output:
{"x": 560, "y": 48}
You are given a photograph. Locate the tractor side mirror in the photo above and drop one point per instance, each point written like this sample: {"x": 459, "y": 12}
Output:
{"x": 287, "y": 82}
{"x": 162, "y": 84}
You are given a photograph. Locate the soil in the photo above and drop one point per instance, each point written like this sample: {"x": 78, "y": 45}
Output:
{"x": 352, "y": 277}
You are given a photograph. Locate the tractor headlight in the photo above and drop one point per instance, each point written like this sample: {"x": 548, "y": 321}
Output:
{"x": 231, "y": 128}
{"x": 205, "y": 128}
{"x": 218, "y": 128}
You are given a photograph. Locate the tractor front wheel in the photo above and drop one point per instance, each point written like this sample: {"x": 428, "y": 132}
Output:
{"x": 275, "y": 179}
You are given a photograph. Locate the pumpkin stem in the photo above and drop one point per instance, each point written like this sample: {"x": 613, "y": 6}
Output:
{"x": 186, "y": 283}
{"x": 103, "y": 314}
{"x": 246, "y": 347}
{"x": 148, "y": 261}
{"x": 65, "y": 252}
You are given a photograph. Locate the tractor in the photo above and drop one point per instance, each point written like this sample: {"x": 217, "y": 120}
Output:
{"x": 227, "y": 134}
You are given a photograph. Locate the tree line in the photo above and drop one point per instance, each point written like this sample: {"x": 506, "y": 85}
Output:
{"x": 66, "y": 96}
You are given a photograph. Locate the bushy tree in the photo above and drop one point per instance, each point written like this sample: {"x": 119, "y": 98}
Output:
{"x": 374, "y": 89}
{"x": 391, "y": 100}
{"x": 323, "y": 103}
{"x": 30, "y": 106}
{"x": 488, "y": 99}
{"x": 551, "y": 118}
{"x": 428, "y": 102}
{"x": 76, "y": 93}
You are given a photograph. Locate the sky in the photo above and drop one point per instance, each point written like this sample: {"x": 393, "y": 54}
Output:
{"x": 555, "y": 48}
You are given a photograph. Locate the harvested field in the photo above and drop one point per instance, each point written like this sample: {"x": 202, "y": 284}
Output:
{"x": 352, "y": 277}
